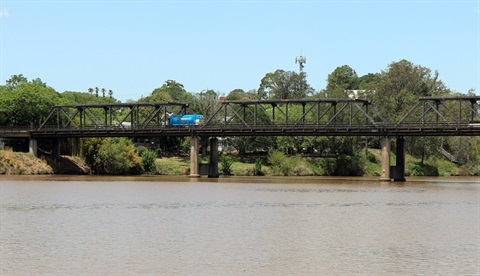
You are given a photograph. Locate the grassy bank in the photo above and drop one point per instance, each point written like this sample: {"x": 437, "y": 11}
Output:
{"x": 22, "y": 163}
{"x": 368, "y": 165}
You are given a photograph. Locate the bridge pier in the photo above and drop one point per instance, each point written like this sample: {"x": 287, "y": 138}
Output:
{"x": 397, "y": 172}
{"x": 385, "y": 159}
{"x": 213, "y": 166}
{"x": 194, "y": 164}
{"x": 33, "y": 146}
{"x": 55, "y": 148}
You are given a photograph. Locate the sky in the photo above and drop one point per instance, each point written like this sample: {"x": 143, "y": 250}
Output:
{"x": 133, "y": 47}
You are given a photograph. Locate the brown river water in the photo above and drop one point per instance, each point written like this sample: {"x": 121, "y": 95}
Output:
{"x": 90, "y": 225}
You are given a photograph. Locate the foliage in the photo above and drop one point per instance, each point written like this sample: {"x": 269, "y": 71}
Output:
{"x": 24, "y": 103}
{"x": 116, "y": 156}
{"x": 226, "y": 164}
{"x": 284, "y": 165}
{"x": 239, "y": 94}
{"x": 72, "y": 97}
{"x": 402, "y": 84}
{"x": 341, "y": 80}
{"x": 148, "y": 161}
{"x": 349, "y": 165}
{"x": 22, "y": 163}
{"x": 170, "y": 91}
{"x": 419, "y": 169}
{"x": 284, "y": 85}
{"x": 91, "y": 147}
{"x": 257, "y": 169}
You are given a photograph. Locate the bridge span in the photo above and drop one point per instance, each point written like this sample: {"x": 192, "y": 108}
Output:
{"x": 430, "y": 116}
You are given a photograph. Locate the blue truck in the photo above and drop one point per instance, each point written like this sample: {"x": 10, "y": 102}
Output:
{"x": 186, "y": 120}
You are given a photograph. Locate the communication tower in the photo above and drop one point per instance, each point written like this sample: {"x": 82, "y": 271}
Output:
{"x": 301, "y": 60}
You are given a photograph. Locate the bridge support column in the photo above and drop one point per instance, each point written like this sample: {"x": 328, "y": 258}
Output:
{"x": 385, "y": 159}
{"x": 33, "y": 147}
{"x": 55, "y": 148}
{"x": 213, "y": 166}
{"x": 398, "y": 172}
{"x": 194, "y": 164}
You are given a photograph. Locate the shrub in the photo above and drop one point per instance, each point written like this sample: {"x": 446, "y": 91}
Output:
{"x": 226, "y": 162}
{"x": 349, "y": 166}
{"x": 148, "y": 161}
{"x": 257, "y": 169}
{"x": 283, "y": 165}
{"x": 419, "y": 169}
{"x": 116, "y": 156}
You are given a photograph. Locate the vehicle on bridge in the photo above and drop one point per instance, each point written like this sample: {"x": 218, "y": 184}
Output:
{"x": 186, "y": 120}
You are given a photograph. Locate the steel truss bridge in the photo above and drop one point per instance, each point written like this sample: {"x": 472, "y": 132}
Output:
{"x": 430, "y": 116}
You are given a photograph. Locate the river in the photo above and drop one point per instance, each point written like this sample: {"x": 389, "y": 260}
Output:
{"x": 90, "y": 225}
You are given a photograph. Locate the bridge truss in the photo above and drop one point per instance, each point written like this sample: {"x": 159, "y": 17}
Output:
{"x": 118, "y": 117}
{"x": 453, "y": 116}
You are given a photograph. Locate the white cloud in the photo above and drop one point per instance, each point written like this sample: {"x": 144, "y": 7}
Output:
{"x": 4, "y": 12}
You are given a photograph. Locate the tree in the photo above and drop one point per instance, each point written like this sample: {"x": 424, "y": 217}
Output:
{"x": 283, "y": 85}
{"x": 170, "y": 91}
{"x": 25, "y": 103}
{"x": 103, "y": 92}
{"x": 111, "y": 155}
{"x": 240, "y": 94}
{"x": 16, "y": 80}
{"x": 205, "y": 103}
{"x": 96, "y": 91}
{"x": 341, "y": 80}
{"x": 402, "y": 84}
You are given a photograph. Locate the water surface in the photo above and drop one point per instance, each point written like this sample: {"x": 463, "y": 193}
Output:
{"x": 238, "y": 226}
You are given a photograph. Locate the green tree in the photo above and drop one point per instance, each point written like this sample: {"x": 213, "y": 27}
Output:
{"x": 281, "y": 85}
{"x": 340, "y": 81}
{"x": 402, "y": 84}
{"x": 16, "y": 80}
{"x": 25, "y": 103}
{"x": 117, "y": 156}
{"x": 239, "y": 94}
{"x": 170, "y": 91}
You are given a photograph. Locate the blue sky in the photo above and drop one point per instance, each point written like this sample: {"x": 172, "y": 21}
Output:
{"x": 133, "y": 47}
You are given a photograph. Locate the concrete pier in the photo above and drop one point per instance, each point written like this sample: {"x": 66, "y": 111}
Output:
{"x": 385, "y": 159}
{"x": 33, "y": 147}
{"x": 398, "y": 171}
{"x": 194, "y": 164}
{"x": 213, "y": 166}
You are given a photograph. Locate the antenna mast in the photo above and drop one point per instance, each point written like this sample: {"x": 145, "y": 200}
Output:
{"x": 301, "y": 60}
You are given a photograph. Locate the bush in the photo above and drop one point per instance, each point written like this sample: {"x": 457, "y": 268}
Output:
{"x": 226, "y": 162}
{"x": 148, "y": 161}
{"x": 419, "y": 169}
{"x": 112, "y": 156}
{"x": 349, "y": 166}
{"x": 327, "y": 165}
{"x": 283, "y": 165}
{"x": 257, "y": 169}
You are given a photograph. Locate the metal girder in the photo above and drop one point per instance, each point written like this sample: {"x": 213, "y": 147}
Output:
{"x": 447, "y": 116}
{"x": 449, "y": 111}
{"x": 295, "y": 113}
{"x": 118, "y": 116}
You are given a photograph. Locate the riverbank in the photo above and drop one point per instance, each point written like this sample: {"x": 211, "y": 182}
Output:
{"x": 15, "y": 163}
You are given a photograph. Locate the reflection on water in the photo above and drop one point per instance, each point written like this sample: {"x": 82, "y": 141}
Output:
{"x": 285, "y": 225}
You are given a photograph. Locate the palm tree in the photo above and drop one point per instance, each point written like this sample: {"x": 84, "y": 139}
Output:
{"x": 103, "y": 92}
{"x": 96, "y": 91}
{"x": 90, "y": 90}
{"x": 110, "y": 92}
